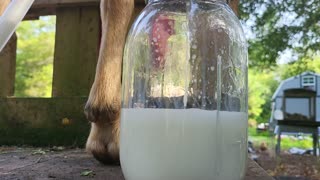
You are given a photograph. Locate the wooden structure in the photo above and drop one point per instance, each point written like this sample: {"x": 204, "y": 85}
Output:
{"x": 296, "y": 102}
{"x": 7, "y": 61}
{"x": 58, "y": 120}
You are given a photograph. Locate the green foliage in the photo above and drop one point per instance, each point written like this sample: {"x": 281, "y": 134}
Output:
{"x": 281, "y": 25}
{"x": 34, "y": 67}
{"x": 262, "y": 85}
{"x": 286, "y": 142}
{"x": 253, "y": 132}
{"x": 298, "y": 67}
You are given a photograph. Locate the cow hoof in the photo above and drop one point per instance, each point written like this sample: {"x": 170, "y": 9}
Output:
{"x": 103, "y": 142}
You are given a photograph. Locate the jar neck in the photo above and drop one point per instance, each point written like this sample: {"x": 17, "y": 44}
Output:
{"x": 152, "y": 1}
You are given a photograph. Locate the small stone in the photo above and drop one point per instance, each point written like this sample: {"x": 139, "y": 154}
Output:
{"x": 263, "y": 146}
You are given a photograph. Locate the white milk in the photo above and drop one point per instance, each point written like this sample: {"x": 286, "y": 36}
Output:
{"x": 169, "y": 144}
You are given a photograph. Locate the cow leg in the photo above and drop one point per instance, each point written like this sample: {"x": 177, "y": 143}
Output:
{"x": 3, "y": 5}
{"x": 103, "y": 105}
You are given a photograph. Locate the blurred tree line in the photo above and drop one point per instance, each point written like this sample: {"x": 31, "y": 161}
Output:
{"x": 279, "y": 26}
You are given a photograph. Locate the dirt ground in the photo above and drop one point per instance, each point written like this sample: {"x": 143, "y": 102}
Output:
{"x": 288, "y": 166}
{"x": 68, "y": 164}
{"x": 55, "y": 163}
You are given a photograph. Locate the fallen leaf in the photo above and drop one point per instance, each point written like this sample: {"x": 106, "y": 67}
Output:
{"x": 58, "y": 148}
{"x": 39, "y": 151}
{"x": 87, "y": 173}
{"x": 65, "y": 121}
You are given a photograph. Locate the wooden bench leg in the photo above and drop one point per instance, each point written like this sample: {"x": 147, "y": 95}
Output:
{"x": 278, "y": 143}
{"x": 315, "y": 143}
{"x": 318, "y": 142}
{"x": 316, "y": 146}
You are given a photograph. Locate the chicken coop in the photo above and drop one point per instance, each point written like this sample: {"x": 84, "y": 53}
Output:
{"x": 296, "y": 107}
{"x": 58, "y": 120}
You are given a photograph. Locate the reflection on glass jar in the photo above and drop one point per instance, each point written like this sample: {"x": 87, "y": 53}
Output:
{"x": 184, "y": 93}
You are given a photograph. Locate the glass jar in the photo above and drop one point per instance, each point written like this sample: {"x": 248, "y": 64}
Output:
{"x": 184, "y": 93}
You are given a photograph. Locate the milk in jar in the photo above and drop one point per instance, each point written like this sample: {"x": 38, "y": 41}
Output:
{"x": 184, "y": 96}
{"x": 181, "y": 145}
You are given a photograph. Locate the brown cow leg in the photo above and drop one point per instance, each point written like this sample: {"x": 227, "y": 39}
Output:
{"x": 103, "y": 106}
{"x": 3, "y": 5}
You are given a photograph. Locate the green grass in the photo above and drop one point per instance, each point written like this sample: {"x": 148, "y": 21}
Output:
{"x": 287, "y": 143}
{"x": 271, "y": 140}
{"x": 253, "y": 132}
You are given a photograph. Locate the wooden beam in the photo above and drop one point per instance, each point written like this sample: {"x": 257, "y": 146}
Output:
{"x": 7, "y": 61}
{"x": 43, "y": 121}
{"x": 35, "y": 13}
{"x": 8, "y": 67}
{"x": 49, "y": 7}
{"x": 65, "y": 3}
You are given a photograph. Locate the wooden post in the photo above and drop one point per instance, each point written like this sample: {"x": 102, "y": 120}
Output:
{"x": 76, "y": 50}
{"x": 234, "y": 4}
{"x": 7, "y": 61}
{"x": 8, "y": 67}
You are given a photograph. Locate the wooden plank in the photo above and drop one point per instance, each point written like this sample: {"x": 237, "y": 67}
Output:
{"x": 89, "y": 48}
{"x": 8, "y": 67}
{"x": 40, "y": 7}
{"x": 43, "y": 121}
{"x": 35, "y": 13}
{"x": 65, "y": 3}
{"x": 66, "y": 50}
{"x": 76, "y": 50}
{"x": 7, "y": 61}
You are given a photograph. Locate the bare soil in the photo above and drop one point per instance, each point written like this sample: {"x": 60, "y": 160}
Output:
{"x": 288, "y": 166}
{"x": 68, "y": 164}
{"x": 58, "y": 163}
